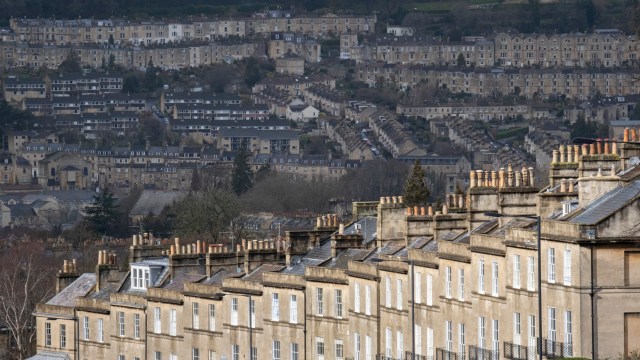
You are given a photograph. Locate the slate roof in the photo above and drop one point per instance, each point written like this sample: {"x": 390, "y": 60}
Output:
{"x": 79, "y": 288}
{"x": 368, "y": 228}
{"x": 256, "y": 275}
{"x": 607, "y": 204}
{"x": 177, "y": 283}
{"x": 153, "y": 201}
{"x": 49, "y": 355}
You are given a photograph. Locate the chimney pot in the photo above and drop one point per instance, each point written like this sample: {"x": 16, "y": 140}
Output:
{"x": 382, "y": 199}
{"x": 65, "y": 266}
{"x": 173, "y": 249}
{"x": 74, "y": 266}
{"x": 599, "y": 146}
{"x": 422, "y": 211}
{"x": 430, "y": 210}
{"x": 472, "y": 179}
{"x": 518, "y": 178}
{"x": 592, "y": 149}
{"x": 341, "y": 229}
{"x": 445, "y": 209}
{"x": 614, "y": 148}
{"x": 554, "y": 158}
{"x": 494, "y": 180}
{"x": 625, "y": 136}
{"x": 563, "y": 186}
{"x": 562, "y": 154}
{"x": 606, "y": 146}
{"x": 408, "y": 211}
{"x": 576, "y": 153}
{"x": 401, "y": 199}
{"x": 571, "y": 185}
{"x": 633, "y": 135}
{"x": 394, "y": 199}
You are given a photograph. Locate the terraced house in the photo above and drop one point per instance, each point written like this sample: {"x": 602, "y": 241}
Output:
{"x": 448, "y": 283}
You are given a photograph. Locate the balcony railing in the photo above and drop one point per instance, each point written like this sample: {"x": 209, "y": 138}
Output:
{"x": 408, "y": 356}
{"x": 518, "y": 352}
{"x": 555, "y": 349}
{"x": 444, "y": 354}
{"x": 478, "y": 353}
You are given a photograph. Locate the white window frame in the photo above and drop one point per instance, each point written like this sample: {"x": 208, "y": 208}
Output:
{"x": 275, "y": 307}
{"x": 319, "y": 302}
{"x": 47, "y": 334}
{"x": 173, "y": 322}
{"x": 367, "y": 300}
{"x": 157, "y": 324}
{"x": 320, "y": 350}
{"x": 121, "y": 323}
{"x": 388, "y": 341}
{"x": 136, "y": 326}
{"x": 517, "y": 328}
{"x": 551, "y": 265}
{"x": 63, "y": 336}
{"x": 295, "y": 353}
{"x": 356, "y": 346}
{"x": 234, "y": 313}
{"x": 86, "y": 331}
{"x": 195, "y": 315}
{"x": 252, "y": 313}
{"x": 495, "y": 341}
{"x": 461, "y": 284}
{"x": 212, "y": 317}
{"x": 461, "y": 341}
{"x": 417, "y": 282}
{"x": 531, "y": 328}
{"x": 338, "y": 299}
{"x": 448, "y": 331}
{"x": 339, "y": 348}
{"x": 399, "y": 345}
{"x": 387, "y": 294}
{"x": 399, "y": 294}
{"x": 100, "y": 330}
{"x": 356, "y": 298}
{"x": 494, "y": 278}
{"x": 195, "y": 353}
{"x": 293, "y": 309}
{"x": 367, "y": 347}
{"x": 447, "y": 282}
{"x": 429, "y": 290}
{"x": 567, "y": 267}
{"x": 551, "y": 323}
{"x": 275, "y": 350}
{"x": 568, "y": 331}
{"x": 531, "y": 274}
{"x": 516, "y": 271}
{"x": 481, "y": 276}
{"x": 235, "y": 351}
{"x": 482, "y": 331}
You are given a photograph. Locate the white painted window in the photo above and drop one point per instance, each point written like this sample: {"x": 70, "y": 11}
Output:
{"x": 100, "y": 330}
{"x": 157, "y": 355}
{"x": 517, "y": 331}
{"x": 157, "y": 325}
{"x": 195, "y": 315}
{"x": 495, "y": 341}
{"x": 235, "y": 352}
{"x": 319, "y": 348}
{"x": 319, "y": 302}
{"x": 212, "y": 317}
{"x": 482, "y": 328}
{"x": 531, "y": 273}
{"x": 356, "y": 346}
{"x": 136, "y": 326}
{"x": 494, "y": 279}
{"x": 356, "y": 298}
{"x": 461, "y": 342}
{"x": 417, "y": 283}
{"x": 293, "y": 309}
{"x": 531, "y": 334}
{"x": 173, "y": 319}
{"x": 338, "y": 309}
{"x": 254, "y": 353}
{"x": 275, "y": 351}
{"x": 481, "y": 276}
{"x": 388, "y": 342}
{"x": 399, "y": 294}
{"x": 85, "y": 328}
{"x": 234, "y": 312}
{"x": 47, "y": 334}
{"x": 551, "y": 323}
{"x": 275, "y": 307}
{"x": 212, "y": 356}
{"x": 121, "y": 323}
{"x": 387, "y": 294}
{"x": 195, "y": 354}
{"x": 448, "y": 330}
{"x": 567, "y": 267}
{"x": 447, "y": 282}
{"x": 339, "y": 349}
{"x": 140, "y": 278}
{"x": 430, "y": 344}
{"x": 367, "y": 353}
{"x": 429, "y": 289}
{"x": 399, "y": 345}
{"x": 367, "y": 300}
{"x": 551, "y": 265}
{"x": 295, "y": 353}
{"x": 461, "y": 284}
{"x": 63, "y": 336}
{"x": 252, "y": 313}
{"x": 568, "y": 332}
{"x": 516, "y": 271}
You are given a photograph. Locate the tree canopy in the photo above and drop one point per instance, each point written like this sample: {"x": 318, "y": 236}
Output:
{"x": 242, "y": 174}
{"x": 103, "y": 214}
{"x": 416, "y": 191}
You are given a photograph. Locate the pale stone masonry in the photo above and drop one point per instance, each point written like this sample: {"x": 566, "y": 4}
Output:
{"x": 463, "y": 283}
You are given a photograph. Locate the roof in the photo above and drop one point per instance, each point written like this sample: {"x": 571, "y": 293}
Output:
{"x": 256, "y": 275}
{"x": 50, "y": 355}
{"x": 606, "y": 205}
{"x": 79, "y": 288}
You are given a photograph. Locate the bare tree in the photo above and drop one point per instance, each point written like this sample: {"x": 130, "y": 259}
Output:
{"x": 25, "y": 280}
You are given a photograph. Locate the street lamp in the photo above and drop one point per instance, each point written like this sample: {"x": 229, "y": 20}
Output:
{"x": 537, "y": 218}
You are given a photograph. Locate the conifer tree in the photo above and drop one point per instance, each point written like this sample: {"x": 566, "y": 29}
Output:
{"x": 103, "y": 213}
{"x": 416, "y": 191}
{"x": 241, "y": 176}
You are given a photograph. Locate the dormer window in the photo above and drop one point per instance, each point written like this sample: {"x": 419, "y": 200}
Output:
{"x": 140, "y": 278}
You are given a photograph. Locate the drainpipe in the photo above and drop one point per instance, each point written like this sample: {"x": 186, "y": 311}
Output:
{"x": 592, "y": 294}
{"x": 304, "y": 293}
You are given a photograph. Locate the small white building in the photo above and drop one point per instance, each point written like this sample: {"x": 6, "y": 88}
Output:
{"x": 302, "y": 112}
{"x": 399, "y": 30}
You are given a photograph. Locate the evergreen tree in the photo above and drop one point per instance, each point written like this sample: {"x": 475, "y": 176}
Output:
{"x": 103, "y": 213}
{"x": 416, "y": 191}
{"x": 241, "y": 177}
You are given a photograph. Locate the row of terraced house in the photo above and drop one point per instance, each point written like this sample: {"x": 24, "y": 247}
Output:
{"x": 451, "y": 282}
